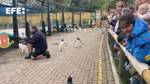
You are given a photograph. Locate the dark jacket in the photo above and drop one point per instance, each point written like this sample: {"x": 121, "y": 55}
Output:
{"x": 38, "y": 41}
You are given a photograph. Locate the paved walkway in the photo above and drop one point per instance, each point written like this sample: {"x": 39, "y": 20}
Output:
{"x": 82, "y": 63}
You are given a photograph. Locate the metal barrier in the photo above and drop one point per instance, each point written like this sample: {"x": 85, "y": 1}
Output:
{"x": 141, "y": 69}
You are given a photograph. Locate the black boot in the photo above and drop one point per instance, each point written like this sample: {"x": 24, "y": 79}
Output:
{"x": 47, "y": 54}
{"x": 29, "y": 56}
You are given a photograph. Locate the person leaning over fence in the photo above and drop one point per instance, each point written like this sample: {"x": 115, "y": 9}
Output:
{"x": 137, "y": 37}
{"x": 37, "y": 44}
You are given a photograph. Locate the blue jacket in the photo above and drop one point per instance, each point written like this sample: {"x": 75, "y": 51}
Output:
{"x": 139, "y": 42}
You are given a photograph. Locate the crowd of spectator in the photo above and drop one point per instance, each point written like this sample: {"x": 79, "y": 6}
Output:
{"x": 132, "y": 24}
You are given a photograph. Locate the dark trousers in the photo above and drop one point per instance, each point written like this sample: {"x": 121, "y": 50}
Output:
{"x": 38, "y": 52}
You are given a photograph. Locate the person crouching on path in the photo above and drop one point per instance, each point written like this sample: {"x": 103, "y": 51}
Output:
{"x": 37, "y": 44}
